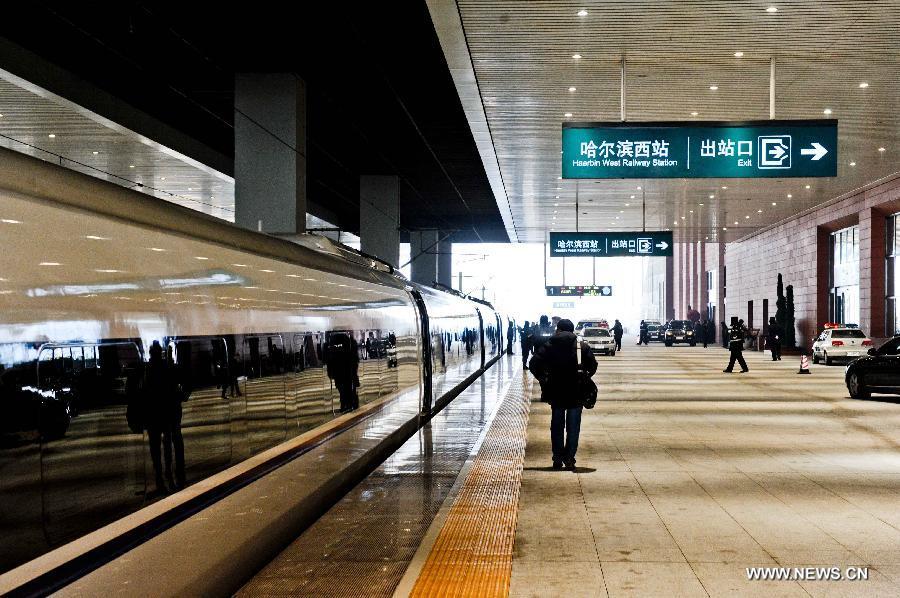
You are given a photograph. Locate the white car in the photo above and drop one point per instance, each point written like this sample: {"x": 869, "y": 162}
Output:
{"x": 599, "y": 340}
{"x": 840, "y": 343}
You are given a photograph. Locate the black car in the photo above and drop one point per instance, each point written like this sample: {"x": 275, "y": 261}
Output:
{"x": 680, "y": 331}
{"x": 655, "y": 330}
{"x": 878, "y": 372}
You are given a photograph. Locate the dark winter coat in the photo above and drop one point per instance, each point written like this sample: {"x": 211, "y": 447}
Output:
{"x": 554, "y": 364}
{"x": 617, "y": 330}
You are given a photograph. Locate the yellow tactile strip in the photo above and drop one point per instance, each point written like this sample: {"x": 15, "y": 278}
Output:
{"x": 472, "y": 555}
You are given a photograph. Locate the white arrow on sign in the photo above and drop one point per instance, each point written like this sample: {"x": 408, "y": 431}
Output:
{"x": 816, "y": 151}
{"x": 662, "y": 245}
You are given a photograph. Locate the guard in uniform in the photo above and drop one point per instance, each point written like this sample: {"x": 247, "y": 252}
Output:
{"x": 736, "y": 335}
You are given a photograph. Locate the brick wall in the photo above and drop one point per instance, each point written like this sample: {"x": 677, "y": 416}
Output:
{"x": 798, "y": 249}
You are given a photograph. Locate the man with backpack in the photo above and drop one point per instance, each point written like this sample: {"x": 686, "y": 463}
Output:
{"x": 558, "y": 365}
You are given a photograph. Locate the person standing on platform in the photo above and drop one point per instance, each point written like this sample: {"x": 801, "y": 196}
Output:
{"x": 736, "y": 336}
{"x": 617, "y": 334}
{"x": 724, "y": 335}
{"x": 642, "y": 334}
{"x": 555, "y": 364}
{"x": 773, "y": 339}
{"x": 693, "y": 315}
{"x": 510, "y": 337}
{"x": 525, "y": 344}
{"x": 700, "y": 332}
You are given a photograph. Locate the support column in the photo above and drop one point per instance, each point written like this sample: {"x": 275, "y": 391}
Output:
{"x": 871, "y": 272}
{"x": 445, "y": 262}
{"x": 270, "y": 152}
{"x": 670, "y": 287}
{"x": 379, "y": 217}
{"x": 423, "y": 248}
{"x": 703, "y": 286}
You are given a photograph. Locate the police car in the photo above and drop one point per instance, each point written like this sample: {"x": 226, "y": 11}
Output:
{"x": 599, "y": 340}
{"x": 840, "y": 342}
{"x": 598, "y": 323}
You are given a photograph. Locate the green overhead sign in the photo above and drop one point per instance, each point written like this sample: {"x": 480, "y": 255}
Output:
{"x": 619, "y": 244}
{"x": 759, "y": 149}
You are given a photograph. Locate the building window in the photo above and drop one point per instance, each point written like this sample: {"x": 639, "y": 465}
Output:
{"x": 891, "y": 290}
{"x": 843, "y": 302}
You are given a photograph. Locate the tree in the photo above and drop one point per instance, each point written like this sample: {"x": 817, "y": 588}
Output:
{"x": 790, "y": 337}
{"x": 781, "y": 310}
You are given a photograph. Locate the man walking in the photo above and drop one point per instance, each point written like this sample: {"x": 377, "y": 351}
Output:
{"x": 700, "y": 332}
{"x": 555, "y": 364}
{"x": 773, "y": 339}
{"x": 617, "y": 334}
{"x": 736, "y": 345}
{"x": 642, "y": 334}
{"x": 525, "y": 343}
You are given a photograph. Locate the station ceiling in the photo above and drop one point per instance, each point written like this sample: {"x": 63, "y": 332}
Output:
{"x": 380, "y": 100}
{"x": 834, "y": 59}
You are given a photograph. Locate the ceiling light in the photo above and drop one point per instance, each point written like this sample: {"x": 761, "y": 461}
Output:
{"x": 807, "y": 186}
{"x": 724, "y": 228}
{"x": 131, "y": 166}
{"x": 713, "y": 87}
{"x": 96, "y": 238}
{"x": 712, "y": 196}
{"x": 1, "y": 116}
{"x": 51, "y": 136}
{"x": 772, "y": 9}
{"x": 568, "y": 115}
{"x": 156, "y": 249}
{"x": 682, "y": 217}
{"x": 735, "y": 222}
{"x": 738, "y": 54}
{"x": 628, "y": 204}
{"x": 200, "y": 257}
{"x": 774, "y": 204}
{"x": 746, "y": 216}
{"x": 827, "y": 111}
{"x": 50, "y": 264}
{"x": 556, "y": 205}
{"x": 107, "y": 271}
{"x": 881, "y": 149}
{"x": 676, "y": 222}
{"x": 863, "y": 85}
{"x": 95, "y": 153}
{"x": 759, "y": 211}
{"x": 557, "y": 197}
{"x": 724, "y": 187}
{"x": 621, "y": 211}
{"x": 555, "y": 211}
{"x": 638, "y": 188}
{"x": 10, "y": 221}
{"x": 691, "y": 211}
{"x": 571, "y": 89}
{"x": 582, "y": 13}
{"x": 190, "y": 188}
{"x": 852, "y": 163}
{"x": 239, "y": 265}
{"x": 576, "y": 56}
{"x": 790, "y": 196}
{"x": 694, "y": 113}
{"x": 700, "y": 204}
{"x": 269, "y": 271}
{"x": 632, "y": 197}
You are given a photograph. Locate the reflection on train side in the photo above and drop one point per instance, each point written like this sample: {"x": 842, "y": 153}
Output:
{"x": 80, "y": 420}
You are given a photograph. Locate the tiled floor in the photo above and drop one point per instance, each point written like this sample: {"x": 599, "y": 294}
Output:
{"x": 688, "y": 476}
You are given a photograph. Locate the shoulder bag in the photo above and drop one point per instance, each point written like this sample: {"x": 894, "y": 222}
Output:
{"x": 585, "y": 387}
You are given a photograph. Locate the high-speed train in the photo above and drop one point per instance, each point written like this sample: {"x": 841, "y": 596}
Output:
{"x": 90, "y": 285}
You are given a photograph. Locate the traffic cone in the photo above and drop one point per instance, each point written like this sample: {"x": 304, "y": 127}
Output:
{"x": 804, "y": 364}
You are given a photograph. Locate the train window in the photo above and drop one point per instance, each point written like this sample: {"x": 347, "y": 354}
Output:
{"x": 263, "y": 356}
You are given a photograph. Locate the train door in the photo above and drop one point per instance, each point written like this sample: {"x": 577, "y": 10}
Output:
{"x": 264, "y": 391}
{"x": 425, "y": 342}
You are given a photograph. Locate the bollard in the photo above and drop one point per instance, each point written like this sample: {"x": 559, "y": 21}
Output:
{"x": 804, "y": 364}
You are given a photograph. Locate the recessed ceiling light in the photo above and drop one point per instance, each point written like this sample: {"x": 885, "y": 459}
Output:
{"x": 772, "y": 9}
{"x": 738, "y": 54}
{"x": 790, "y": 196}
{"x": 622, "y": 211}
{"x": 712, "y": 196}
{"x": 1, "y": 116}
{"x": 572, "y": 89}
{"x": 700, "y": 204}
{"x": 852, "y": 163}
{"x": 557, "y": 197}
{"x": 774, "y": 204}
{"x": 632, "y": 197}
{"x": 239, "y": 265}
{"x": 156, "y": 249}
{"x": 51, "y": 136}
{"x": 724, "y": 228}
{"x": 724, "y": 187}
{"x": 713, "y": 87}
{"x": 827, "y": 111}
{"x": 131, "y": 166}
{"x": 628, "y": 204}
{"x": 759, "y": 211}
{"x": 881, "y": 149}
{"x": 162, "y": 178}
{"x": 863, "y": 85}
{"x": 10, "y": 221}
{"x": 576, "y": 56}
{"x": 200, "y": 257}
{"x": 95, "y": 153}
{"x": 555, "y": 211}
{"x": 96, "y": 238}
{"x": 735, "y": 222}
{"x": 556, "y": 205}
{"x": 190, "y": 188}
{"x": 638, "y": 188}
{"x": 682, "y": 217}
{"x": 691, "y": 211}
{"x": 107, "y": 271}
{"x": 807, "y": 186}
{"x": 676, "y": 222}
{"x": 269, "y": 271}
{"x": 568, "y": 115}
{"x": 694, "y": 113}
{"x": 746, "y": 216}
{"x": 582, "y": 13}
{"x": 50, "y": 264}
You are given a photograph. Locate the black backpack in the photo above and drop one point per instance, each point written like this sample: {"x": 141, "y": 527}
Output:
{"x": 584, "y": 385}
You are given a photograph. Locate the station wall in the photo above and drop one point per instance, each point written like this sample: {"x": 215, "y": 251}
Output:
{"x": 798, "y": 248}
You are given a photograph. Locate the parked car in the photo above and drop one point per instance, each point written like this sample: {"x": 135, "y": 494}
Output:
{"x": 840, "y": 343}
{"x": 878, "y": 371}
{"x": 599, "y": 340}
{"x": 655, "y": 330}
{"x": 680, "y": 331}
